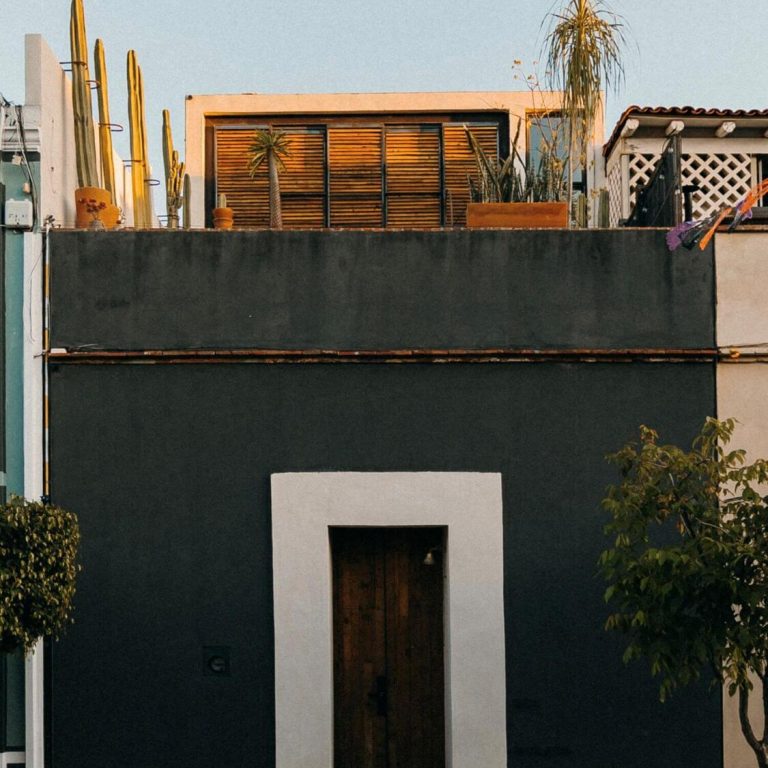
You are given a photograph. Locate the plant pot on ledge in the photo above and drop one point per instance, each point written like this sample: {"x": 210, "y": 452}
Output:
{"x": 109, "y": 215}
{"x": 517, "y": 215}
{"x": 223, "y": 218}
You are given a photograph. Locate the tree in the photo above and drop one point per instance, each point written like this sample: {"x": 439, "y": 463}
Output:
{"x": 270, "y": 145}
{"x": 688, "y": 569}
{"x": 38, "y": 568}
{"x": 582, "y": 49}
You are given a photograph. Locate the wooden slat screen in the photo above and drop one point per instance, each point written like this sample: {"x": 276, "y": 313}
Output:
{"x": 413, "y": 175}
{"x": 354, "y": 169}
{"x": 302, "y": 184}
{"x": 357, "y": 175}
{"x": 459, "y": 163}
{"x": 247, "y": 197}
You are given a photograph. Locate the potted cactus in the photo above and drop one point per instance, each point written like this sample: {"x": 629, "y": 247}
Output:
{"x": 223, "y": 217}
{"x": 512, "y": 193}
{"x": 89, "y": 187}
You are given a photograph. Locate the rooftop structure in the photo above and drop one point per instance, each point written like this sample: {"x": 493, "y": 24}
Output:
{"x": 724, "y": 154}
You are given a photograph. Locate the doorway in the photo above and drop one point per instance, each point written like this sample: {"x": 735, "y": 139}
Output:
{"x": 389, "y": 681}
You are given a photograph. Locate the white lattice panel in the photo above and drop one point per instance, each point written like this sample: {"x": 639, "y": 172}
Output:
{"x": 614, "y": 195}
{"x": 723, "y": 179}
{"x": 640, "y": 171}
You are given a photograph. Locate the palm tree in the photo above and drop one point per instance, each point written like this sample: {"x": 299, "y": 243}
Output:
{"x": 583, "y": 49}
{"x": 270, "y": 145}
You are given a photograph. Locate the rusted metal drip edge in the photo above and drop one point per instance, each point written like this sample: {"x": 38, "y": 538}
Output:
{"x": 436, "y": 356}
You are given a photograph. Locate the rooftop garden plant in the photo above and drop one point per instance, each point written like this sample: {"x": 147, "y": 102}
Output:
{"x": 271, "y": 146}
{"x": 583, "y": 49}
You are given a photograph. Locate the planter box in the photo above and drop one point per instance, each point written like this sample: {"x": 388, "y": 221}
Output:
{"x": 518, "y": 215}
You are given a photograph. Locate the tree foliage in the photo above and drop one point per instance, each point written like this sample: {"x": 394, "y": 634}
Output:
{"x": 272, "y": 146}
{"x": 38, "y": 568}
{"x": 688, "y": 567}
{"x": 583, "y": 50}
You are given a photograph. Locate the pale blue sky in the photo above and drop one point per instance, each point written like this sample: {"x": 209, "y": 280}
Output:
{"x": 707, "y": 53}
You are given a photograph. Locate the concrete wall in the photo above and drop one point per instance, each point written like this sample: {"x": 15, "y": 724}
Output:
{"x": 378, "y": 290}
{"x": 169, "y": 465}
{"x": 742, "y": 390}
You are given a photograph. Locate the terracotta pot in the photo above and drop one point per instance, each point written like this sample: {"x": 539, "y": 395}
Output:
{"x": 109, "y": 216}
{"x": 223, "y": 218}
{"x": 518, "y": 215}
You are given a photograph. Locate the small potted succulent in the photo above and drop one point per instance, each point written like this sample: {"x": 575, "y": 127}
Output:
{"x": 223, "y": 217}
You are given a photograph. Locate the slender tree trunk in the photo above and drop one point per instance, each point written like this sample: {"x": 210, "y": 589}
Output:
{"x": 275, "y": 210}
{"x": 759, "y": 746}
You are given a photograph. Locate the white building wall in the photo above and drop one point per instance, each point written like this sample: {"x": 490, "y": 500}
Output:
{"x": 742, "y": 393}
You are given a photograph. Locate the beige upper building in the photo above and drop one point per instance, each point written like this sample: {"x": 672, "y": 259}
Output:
{"x": 360, "y": 159}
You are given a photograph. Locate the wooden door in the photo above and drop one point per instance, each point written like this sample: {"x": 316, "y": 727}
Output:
{"x": 388, "y": 648}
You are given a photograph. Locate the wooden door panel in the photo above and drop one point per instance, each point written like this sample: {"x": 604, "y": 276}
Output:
{"x": 416, "y": 732}
{"x": 359, "y": 649}
{"x": 388, "y": 629}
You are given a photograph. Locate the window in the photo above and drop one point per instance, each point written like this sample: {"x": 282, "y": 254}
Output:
{"x": 547, "y": 132}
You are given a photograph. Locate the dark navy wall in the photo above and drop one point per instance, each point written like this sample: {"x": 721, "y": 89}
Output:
{"x": 168, "y": 467}
{"x": 168, "y": 464}
{"x": 378, "y": 290}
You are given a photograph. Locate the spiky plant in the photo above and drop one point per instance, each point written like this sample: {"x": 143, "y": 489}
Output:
{"x": 512, "y": 180}
{"x": 105, "y": 128}
{"x": 174, "y": 174}
{"x": 583, "y": 50}
{"x": 272, "y": 146}
{"x": 85, "y": 139}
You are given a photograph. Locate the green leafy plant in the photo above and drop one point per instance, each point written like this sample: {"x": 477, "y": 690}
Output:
{"x": 272, "y": 146}
{"x": 38, "y": 568}
{"x": 513, "y": 180}
{"x": 583, "y": 50}
{"x": 688, "y": 567}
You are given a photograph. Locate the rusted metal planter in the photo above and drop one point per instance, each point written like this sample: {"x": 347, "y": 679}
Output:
{"x": 517, "y": 215}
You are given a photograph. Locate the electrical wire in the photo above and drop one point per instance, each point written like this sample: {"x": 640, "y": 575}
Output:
{"x": 23, "y": 140}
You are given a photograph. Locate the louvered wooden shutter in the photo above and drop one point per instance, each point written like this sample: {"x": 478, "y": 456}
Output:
{"x": 459, "y": 164}
{"x": 302, "y": 184}
{"x": 247, "y": 197}
{"x": 413, "y": 184}
{"x": 354, "y": 170}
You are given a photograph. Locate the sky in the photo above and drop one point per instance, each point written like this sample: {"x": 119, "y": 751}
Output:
{"x": 703, "y": 53}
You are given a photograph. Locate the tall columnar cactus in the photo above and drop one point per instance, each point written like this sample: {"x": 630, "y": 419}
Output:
{"x": 187, "y": 202}
{"x": 145, "y": 151}
{"x": 174, "y": 174}
{"x": 139, "y": 178}
{"x": 85, "y": 140}
{"x": 105, "y": 130}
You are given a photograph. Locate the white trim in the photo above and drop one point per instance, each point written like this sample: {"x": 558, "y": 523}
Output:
{"x": 11, "y": 758}
{"x": 304, "y": 506}
{"x": 33, "y": 467}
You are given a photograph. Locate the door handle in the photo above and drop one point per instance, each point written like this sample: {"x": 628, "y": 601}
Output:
{"x": 379, "y": 695}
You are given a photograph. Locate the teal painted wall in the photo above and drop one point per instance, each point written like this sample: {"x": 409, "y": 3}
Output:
{"x": 13, "y": 177}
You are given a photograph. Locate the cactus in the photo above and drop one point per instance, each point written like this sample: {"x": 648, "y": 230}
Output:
{"x": 187, "y": 202}
{"x": 174, "y": 174}
{"x": 105, "y": 131}
{"x": 139, "y": 180}
{"x": 145, "y": 151}
{"x": 85, "y": 140}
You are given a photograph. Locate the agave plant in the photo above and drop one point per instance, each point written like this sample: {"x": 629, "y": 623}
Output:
{"x": 583, "y": 49}
{"x": 512, "y": 180}
{"x": 272, "y": 146}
